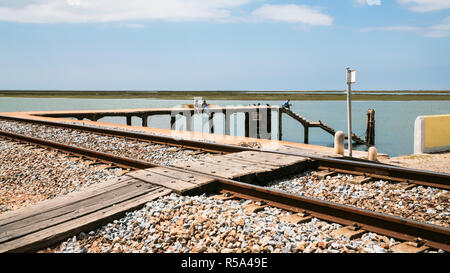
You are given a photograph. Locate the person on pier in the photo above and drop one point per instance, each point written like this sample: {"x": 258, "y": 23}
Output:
{"x": 287, "y": 104}
{"x": 205, "y": 106}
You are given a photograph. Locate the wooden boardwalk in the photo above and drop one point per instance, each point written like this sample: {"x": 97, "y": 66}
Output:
{"x": 48, "y": 222}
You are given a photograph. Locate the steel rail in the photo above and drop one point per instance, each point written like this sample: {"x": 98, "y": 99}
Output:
{"x": 396, "y": 227}
{"x": 401, "y": 228}
{"x": 345, "y": 165}
{"x": 110, "y": 158}
{"x": 184, "y": 143}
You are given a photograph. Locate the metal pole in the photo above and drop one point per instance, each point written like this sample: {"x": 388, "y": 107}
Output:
{"x": 349, "y": 111}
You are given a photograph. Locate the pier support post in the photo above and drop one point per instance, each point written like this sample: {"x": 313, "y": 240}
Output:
{"x": 247, "y": 124}
{"x": 373, "y": 153}
{"x": 95, "y": 118}
{"x": 306, "y": 134}
{"x": 211, "y": 122}
{"x": 370, "y": 131}
{"x": 173, "y": 119}
{"x": 144, "y": 120}
{"x": 227, "y": 122}
{"x": 129, "y": 120}
{"x": 188, "y": 116}
{"x": 269, "y": 122}
{"x": 258, "y": 121}
{"x": 280, "y": 127}
{"x": 339, "y": 139}
{"x": 264, "y": 123}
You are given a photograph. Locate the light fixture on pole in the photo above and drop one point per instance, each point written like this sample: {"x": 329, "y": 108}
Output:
{"x": 351, "y": 78}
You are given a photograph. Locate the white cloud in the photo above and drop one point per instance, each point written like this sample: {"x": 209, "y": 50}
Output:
{"x": 425, "y": 5}
{"x": 435, "y": 31}
{"x": 130, "y": 25}
{"x": 369, "y": 2}
{"x": 392, "y": 28}
{"x": 439, "y": 30}
{"x": 86, "y": 11}
{"x": 121, "y": 11}
{"x": 293, "y": 14}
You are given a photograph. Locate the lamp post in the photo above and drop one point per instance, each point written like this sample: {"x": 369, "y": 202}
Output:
{"x": 351, "y": 78}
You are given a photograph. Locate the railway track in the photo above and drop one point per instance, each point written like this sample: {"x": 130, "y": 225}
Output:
{"x": 154, "y": 139}
{"x": 396, "y": 227}
{"x": 122, "y": 162}
{"x": 342, "y": 165}
{"x": 400, "y": 228}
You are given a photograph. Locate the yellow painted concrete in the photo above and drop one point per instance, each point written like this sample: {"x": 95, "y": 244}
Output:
{"x": 437, "y": 131}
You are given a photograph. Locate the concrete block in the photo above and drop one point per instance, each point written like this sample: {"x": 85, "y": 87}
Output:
{"x": 432, "y": 134}
{"x": 339, "y": 138}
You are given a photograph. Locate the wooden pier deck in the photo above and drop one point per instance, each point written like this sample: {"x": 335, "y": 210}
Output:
{"x": 258, "y": 122}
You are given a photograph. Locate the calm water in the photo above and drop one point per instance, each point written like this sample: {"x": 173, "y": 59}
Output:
{"x": 394, "y": 120}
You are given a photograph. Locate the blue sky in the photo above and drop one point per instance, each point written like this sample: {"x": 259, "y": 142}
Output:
{"x": 224, "y": 44}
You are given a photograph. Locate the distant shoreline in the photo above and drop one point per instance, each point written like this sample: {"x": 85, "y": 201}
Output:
{"x": 375, "y": 95}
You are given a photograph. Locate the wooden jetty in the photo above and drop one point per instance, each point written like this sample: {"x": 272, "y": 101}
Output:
{"x": 258, "y": 121}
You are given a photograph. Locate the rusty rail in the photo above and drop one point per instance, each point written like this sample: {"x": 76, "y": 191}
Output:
{"x": 396, "y": 227}
{"x": 401, "y": 228}
{"x": 344, "y": 165}
{"x": 123, "y": 162}
{"x": 158, "y": 139}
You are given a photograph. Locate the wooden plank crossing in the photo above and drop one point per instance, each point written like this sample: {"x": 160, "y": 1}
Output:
{"x": 247, "y": 166}
{"x": 177, "y": 181}
{"x": 48, "y": 222}
{"x": 43, "y": 224}
{"x": 264, "y": 158}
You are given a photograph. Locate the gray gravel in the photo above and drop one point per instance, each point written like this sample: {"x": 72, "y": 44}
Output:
{"x": 419, "y": 203}
{"x": 204, "y": 224}
{"x": 163, "y": 155}
{"x": 28, "y": 176}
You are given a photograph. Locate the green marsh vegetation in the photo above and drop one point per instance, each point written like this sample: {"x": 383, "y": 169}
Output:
{"x": 383, "y": 95}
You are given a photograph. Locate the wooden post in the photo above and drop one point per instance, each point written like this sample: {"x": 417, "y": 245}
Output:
{"x": 306, "y": 136}
{"x": 129, "y": 120}
{"x": 247, "y": 124}
{"x": 258, "y": 118}
{"x": 144, "y": 120}
{"x": 280, "y": 128}
{"x": 263, "y": 123}
{"x": 173, "y": 119}
{"x": 93, "y": 117}
{"x": 370, "y": 131}
{"x": 188, "y": 120}
{"x": 227, "y": 122}
{"x": 211, "y": 122}
{"x": 269, "y": 122}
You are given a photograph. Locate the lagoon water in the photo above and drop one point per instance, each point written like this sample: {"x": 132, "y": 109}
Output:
{"x": 394, "y": 120}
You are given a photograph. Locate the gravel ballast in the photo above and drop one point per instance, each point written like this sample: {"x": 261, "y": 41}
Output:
{"x": 187, "y": 224}
{"x": 159, "y": 154}
{"x": 418, "y": 203}
{"x": 28, "y": 176}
